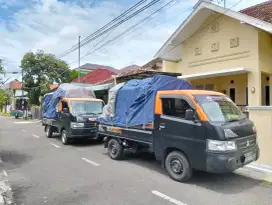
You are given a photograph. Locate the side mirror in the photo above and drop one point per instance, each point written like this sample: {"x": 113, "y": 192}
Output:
{"x": 65, "y": 110}
{"x": 189, "y": 115}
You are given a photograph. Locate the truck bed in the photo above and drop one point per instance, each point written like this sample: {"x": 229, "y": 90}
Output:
{"x": 47, "y": 121}
{"x": 137, "y": 135}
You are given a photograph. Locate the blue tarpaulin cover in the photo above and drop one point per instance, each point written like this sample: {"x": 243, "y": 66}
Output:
{"x": 134, "y": 104}
{"x": 65, "y": 90}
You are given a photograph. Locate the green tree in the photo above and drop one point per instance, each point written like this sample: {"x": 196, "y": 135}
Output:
{"x": 3, "y": 98}
{"x": 74, "y": 74}
{"x": 41, "y": 69}
{"x": 2, "y": 70}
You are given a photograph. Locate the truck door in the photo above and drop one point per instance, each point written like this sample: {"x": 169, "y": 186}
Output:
{"x": 177, "y": 132}
{"x": 64, "y": 116}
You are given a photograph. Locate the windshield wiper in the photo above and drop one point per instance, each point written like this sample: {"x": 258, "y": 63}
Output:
{"x": 233, "y": 120}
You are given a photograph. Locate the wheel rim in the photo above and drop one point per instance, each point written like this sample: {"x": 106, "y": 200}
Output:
{"x": 64, "y": 139}
{"x": 113, "y": 150}
{"x": 47, "y": 131}
{"x": 176, "y": 166}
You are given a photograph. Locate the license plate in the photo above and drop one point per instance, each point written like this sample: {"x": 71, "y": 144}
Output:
{"x": 249, "y": 157}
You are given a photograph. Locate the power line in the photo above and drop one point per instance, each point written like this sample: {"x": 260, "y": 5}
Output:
{"x": 161, "y": 8}
{"x": 114, "y": 26}
{"x": 74, "y": 47}
{"x": 129, "y": 29}
{"x": 105, "y": 26}
{"x": 156, "y": 25}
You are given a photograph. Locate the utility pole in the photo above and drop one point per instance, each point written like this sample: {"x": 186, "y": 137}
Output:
{"x": 23, "y": 102}
{"x": 79, "y": 58}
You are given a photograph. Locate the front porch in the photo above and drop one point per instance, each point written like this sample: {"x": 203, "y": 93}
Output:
{"x": 234, "y": 83}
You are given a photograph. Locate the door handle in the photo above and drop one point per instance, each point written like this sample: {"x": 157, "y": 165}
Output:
{"x": 162, "y": 126}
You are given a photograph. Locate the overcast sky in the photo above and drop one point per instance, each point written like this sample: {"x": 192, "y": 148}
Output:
{"x": 54, "y": 26}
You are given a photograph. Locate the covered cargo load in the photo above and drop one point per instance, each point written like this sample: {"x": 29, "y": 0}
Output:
{"x": 133, "y": 102}
{"x": 65, "y": 90}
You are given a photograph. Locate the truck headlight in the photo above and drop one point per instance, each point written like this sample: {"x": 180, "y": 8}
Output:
{"x": 76, "y": 125}
{"x": 214, "y": 145}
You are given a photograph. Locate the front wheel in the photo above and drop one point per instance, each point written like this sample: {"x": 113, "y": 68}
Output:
{"x": 178, "y": 167}
{"x": 64, "y": 138}
{"x": 115, "y": 149}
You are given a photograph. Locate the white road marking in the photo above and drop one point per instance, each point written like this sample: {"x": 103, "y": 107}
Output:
{"x": 90, "y": 162}
{"x": 5, "y": 173}
{"x": 259, "y": 168}
{"x": 57, "y": 146}
{"x": 24, "y": 130}
{"x": 261, "y": 165}
{"x": 168, "y": 198}
{"x": 35, "y": 136}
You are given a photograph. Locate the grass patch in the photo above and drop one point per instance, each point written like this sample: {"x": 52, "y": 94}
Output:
{"x": 5, "y": 114}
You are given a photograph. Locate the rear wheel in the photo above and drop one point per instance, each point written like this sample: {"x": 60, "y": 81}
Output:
{"x": 178, "y": 167}
{"x": 48, "y": 131}
{"x": 64, "y": 138}
{"x": 115, "y": 149}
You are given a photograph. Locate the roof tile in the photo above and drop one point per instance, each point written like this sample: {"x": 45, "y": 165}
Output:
{"x": 95, "y": 76}
{"x": 261, "y": 11}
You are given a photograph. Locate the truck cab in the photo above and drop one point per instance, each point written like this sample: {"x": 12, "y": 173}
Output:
{"x": 207, "y": 128}
{"x": 76, "y": 119}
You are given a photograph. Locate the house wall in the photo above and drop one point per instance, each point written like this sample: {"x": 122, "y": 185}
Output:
{"x": 262, "y": 118}
{"x": 245, "y": 54}
{"x": 265, "y": 52}
{"x": 253, "y": 52}
{"x": 224, "y": 83}
{"x": 169, "y": 66}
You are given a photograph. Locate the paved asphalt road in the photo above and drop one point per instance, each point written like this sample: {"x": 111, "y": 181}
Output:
{"x": 43, "y": 171}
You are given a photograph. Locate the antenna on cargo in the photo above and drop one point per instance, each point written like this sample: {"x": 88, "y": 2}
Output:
{"x": 219, "y": 2}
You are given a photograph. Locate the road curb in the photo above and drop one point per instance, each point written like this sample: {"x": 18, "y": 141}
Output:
{"x": 6, "y": 194}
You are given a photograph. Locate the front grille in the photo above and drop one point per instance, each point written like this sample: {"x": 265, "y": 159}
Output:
{"x": 90, "y": 125}
{"x": 246, "y": 143}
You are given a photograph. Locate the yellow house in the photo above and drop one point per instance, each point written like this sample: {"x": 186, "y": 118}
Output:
{"x": 216, "y": 48}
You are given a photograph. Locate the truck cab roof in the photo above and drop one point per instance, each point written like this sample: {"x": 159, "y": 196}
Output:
{"x": 83, "y": 99}
{"x": 189, "y": 92}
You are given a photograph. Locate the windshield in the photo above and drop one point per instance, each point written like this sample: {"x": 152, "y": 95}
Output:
{"x": 219, "y": 108}
{"x": 87, "y": 107}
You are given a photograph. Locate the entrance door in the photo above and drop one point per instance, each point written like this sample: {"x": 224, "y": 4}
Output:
{"x": 267, "y": 95}
{"x": 177, "y": 132}
{"x": 232, "y": 94}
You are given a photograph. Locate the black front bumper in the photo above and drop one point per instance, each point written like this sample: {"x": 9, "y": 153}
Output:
{"x": 228, "y": 162}
{"x": 85, "y": 133}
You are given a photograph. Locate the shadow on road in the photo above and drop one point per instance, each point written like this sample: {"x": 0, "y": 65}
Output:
{"x": 85, "y": 143}
{"x": 81, "y": 142}
{"x": 13, "y": 159}
{"x": 229, "y": 183}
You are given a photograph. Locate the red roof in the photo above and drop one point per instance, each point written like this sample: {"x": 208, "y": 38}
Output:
{"x": 95, "y": 76}
{"x": 15, "y": 84}
{"x": 261, "y": 11}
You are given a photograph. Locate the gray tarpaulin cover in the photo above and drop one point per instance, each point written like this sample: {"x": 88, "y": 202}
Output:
{"x": 109, "y": 109}
{"x": 65, "y": 90}
{"x": 135, "y": 100}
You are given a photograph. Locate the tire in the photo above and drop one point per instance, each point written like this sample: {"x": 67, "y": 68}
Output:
{"x": 64, "y": 138}
{"x": 178, "y": 166}
{"x": 48, "y": 131}
{"x": 115, "y": 149}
